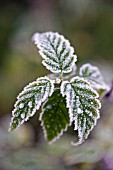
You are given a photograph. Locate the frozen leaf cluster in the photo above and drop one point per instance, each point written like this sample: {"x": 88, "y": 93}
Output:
{"x": 65, "y": 97}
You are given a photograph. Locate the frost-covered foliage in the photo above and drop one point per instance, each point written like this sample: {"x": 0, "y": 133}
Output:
{"x": 94, "y": 76}
{"x": 56, "y": 51}
{"x": 66, "y": 97}
{"x": 30, "y": 100}
{"x": 83, "y": 105}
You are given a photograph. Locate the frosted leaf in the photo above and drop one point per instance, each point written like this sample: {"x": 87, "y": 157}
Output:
{"x": 22, "y": 115}
{"x": 79, "y": 110}
{"x": 94, "y": 76}
{"x": 83, "y": 105}
{"x": 21, "y": 105}
{"x": 54, "y": 117}
{"x": 58, "y": 56}
{"x": 30, "y": 104}
{"x": 30, "y": 99}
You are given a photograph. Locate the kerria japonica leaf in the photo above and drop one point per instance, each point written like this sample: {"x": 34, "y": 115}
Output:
{"x": 30, "y": 100}
{"x": 54, "y": 116}
{"x": 83, "y": 105}
{"x": 56, "y": 51}
{"x": 94, "y": 76}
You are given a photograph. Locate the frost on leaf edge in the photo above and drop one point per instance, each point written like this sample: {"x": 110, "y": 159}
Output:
{"x": 104, "y": 86}
{"x": 44, "y": 130}
{"x": 34, "y": 39}
{"x": 37, "y": 107}
{"x": 70, "y": 113}
{"x": 68, "y": 82}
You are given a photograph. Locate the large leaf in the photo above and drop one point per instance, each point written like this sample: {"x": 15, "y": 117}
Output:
{"x": 54, "y": 117}
{"x": 83, "y": 105}
{"x": 56, "y": 51}
{"x": 30, "y": 99}
{"x": 94, "y": 76}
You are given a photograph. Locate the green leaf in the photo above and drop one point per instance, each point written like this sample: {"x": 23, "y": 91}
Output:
{"x": 94, "y": 76}
{"x": 30, "y": 100}
{"x": 83, "y": 105}
{"x": 54, "y": 117}
{"x": 56, "y": 51}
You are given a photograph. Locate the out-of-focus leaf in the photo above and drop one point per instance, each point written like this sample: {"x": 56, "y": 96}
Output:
{"x": 89, "y": 152}
{"x": 94, "y": 76}
{"x": 27, "y": 159}
{"x": 16, "y": 139}
{"x": 42, "y": 157}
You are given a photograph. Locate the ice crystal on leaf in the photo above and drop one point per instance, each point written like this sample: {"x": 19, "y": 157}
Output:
{"x": 63, "y": 101}
{"x": 30, "y": 100}
{"x": 83, "y": 105}
{"x": 94, "y": 76}
{"x": 56, "y": 51}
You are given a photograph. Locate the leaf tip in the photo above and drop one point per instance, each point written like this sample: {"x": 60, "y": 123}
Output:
{"x": 11, "y": 128}
{"x": 77, "y": 143}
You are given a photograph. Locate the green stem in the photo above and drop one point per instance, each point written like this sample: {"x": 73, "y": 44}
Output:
{"x": 61, "y": 76}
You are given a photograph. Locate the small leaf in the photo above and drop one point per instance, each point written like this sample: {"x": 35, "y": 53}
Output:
{"x": 56, "y": 51}
{"x": 83, "y": 105}
{"x": 54, "y": 117}
{"x": 94, "y": 76}
{"x": 30, "y": 100}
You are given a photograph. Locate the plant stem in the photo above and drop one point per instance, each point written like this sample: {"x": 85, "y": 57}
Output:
{"x": 61, "y": 76}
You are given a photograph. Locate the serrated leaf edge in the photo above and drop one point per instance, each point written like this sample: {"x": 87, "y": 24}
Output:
{"x": 34, "y": 39}
{"x": 104, "y": 86}
{"x": 44, "y": 130}
{"x": 39, "y": 103}
{"x": 71, "y": 114}
{"x": 67, "y": 97}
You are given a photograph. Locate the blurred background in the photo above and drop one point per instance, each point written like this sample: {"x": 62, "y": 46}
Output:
{"x": 88, "y": 24}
